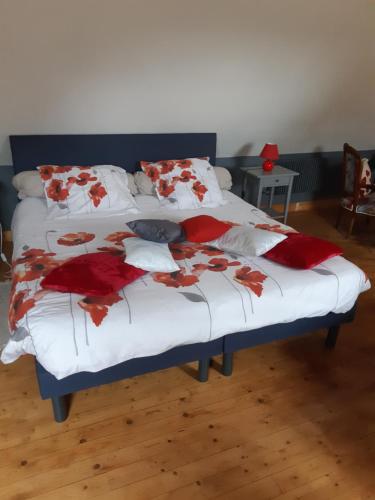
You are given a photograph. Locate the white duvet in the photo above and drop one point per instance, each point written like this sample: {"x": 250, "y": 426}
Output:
{"x": 214, "y": 294}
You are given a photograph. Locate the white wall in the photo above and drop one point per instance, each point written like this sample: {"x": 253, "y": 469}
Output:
{"x": 298, "y": 72}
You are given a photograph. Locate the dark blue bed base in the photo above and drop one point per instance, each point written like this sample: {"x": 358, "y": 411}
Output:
{"x": 126, "y": 150}
{"x": 57, "y": 390}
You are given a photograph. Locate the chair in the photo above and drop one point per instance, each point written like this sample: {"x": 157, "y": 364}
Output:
{"x": 358, "y": 198}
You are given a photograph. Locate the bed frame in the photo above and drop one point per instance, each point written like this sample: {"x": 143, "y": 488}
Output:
{"x": 126, "y": 150}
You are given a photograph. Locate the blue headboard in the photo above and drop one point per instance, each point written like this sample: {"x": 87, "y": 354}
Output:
{"x": 123, "y": 150}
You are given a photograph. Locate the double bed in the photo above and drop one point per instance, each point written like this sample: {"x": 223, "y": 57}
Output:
{"x": 216, "y": 304}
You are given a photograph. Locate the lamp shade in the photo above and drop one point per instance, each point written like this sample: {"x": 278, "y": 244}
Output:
{"x": 270, "y": 151}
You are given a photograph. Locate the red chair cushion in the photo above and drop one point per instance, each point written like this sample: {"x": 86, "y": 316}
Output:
{"x": 204, "y": 228}
{"x": 301, "y": 251}
{"x": 92, "y": 274}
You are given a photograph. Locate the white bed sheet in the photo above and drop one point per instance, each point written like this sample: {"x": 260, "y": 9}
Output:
{"x": 142, "y": 321}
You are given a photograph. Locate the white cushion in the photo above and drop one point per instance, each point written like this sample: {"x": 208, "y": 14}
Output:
{"x": 224, "y": 178}
{"x": 144, "y": 184}
{"x": 28, "y": 184}
{"x": 79, "y": 191}
{"x": 131, "y": 184}
{"x": 149, "y": 256}
{"x": 247, "y": 241}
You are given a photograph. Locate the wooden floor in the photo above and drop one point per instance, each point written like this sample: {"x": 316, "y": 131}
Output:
{"x": 293, "y": 422}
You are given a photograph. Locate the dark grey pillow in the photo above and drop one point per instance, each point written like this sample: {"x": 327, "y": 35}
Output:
{"x": 160, "y": 231}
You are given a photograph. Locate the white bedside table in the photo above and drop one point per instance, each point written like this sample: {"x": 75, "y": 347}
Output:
{"x": 257, "y": 179}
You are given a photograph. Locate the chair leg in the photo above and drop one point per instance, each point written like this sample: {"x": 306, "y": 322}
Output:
{"x": 331, "y": 339}
{"x": 351, "y": 225}
{"x": 227, "y": 367}
{"x": 60, "y": 408}
{"x": 203, "y": 366}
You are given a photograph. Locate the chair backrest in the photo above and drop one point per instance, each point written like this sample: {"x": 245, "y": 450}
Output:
{"x": 352, "y": 170}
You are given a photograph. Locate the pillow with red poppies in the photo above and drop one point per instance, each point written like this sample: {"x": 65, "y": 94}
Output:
{"x": 184, "y": 184}
{"x": 79, "y": 191}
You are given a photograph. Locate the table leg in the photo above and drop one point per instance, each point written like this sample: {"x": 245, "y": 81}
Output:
{"x": 271, "y": 197}
{"x": 287, "y": 201}
{"x": 260, "y": 190}
{"x": 244, "y": 187}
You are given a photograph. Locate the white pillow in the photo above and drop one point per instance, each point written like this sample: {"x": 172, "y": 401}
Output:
{"x": 224, "y": 178}
{"x": 184, "y": 184}
{"x": 131, "y": 184}
{"x": 247, "y": 241}
{"x": 149, "y": 256}
{"x": 30, "y": 185}
{"x": 145, "y": 185}
{"x": 74, "y": 190}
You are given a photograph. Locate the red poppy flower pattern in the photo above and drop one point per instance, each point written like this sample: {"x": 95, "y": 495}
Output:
{"x": 186, "y": 176}
{"x": 275, "y": 228}
{"x": 56, "y": 191}
{"x": 165, "y": 189}
{"x": 32, "y": 254}
{"x": 251, "y": 279}
{"x": 199, "y": 190}
{"x": 151, "y": 171}
{"x": 74, "y": 239}
{"x": 176, "y": 279}
{"x": 166, "y": 166}
{"x": 216, "y": 265}
{"x": 46, "y": 171}
{"x": 168, "y": 177}
{"x": 184, "y": 163}
{"x": 118, "y": 237}
{"x": 34, "y": 264}
{"x": 19, "y": 305}
{"x": 210, "y": 251}
{"x": 97, "y": 192}
{"x": 181, "y": 251}
{"x": 82, "y": 179}
{"x": 97, "y": 307}
{"x": 58, "y": 185}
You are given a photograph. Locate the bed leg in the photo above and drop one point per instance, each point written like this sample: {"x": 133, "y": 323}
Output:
{"x": 227, "y": 367}
{"x": 333, "y": 333}
{"x": 203, "y": 366}
{"x": 60, "y": 408}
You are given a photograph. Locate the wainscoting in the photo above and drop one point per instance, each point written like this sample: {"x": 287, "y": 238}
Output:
{"x": 319, "y": 177}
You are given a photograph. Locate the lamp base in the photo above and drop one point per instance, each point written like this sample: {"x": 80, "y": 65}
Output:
{"x": 267, "y": 165}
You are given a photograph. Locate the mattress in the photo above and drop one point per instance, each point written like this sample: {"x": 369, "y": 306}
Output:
{"x": 214, "y": 294}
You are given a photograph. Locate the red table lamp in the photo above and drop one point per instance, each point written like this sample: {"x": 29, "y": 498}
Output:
{"x": 270, "y": 152}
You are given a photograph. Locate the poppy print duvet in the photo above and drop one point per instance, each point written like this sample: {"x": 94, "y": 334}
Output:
{"x": 218, "y": 293}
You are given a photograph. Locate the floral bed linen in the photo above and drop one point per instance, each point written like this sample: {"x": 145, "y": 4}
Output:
{"x": 213, "y": 293}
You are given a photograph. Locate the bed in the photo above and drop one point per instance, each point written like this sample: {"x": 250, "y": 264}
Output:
{"x": 227, "y": 302}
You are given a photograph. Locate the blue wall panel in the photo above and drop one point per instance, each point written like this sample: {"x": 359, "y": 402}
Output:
{"x": 319, "y": 177}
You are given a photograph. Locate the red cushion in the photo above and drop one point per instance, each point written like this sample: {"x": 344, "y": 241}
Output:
{"x": 99, "y": 273}
{"x": 302, "y": 251}
{"x": 204, "y": 228}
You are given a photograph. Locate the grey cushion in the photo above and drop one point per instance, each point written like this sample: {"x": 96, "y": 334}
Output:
{"x": 160, "y": 231}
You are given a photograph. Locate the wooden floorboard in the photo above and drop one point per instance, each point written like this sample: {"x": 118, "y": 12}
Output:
{"x": 294, "y": 421}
